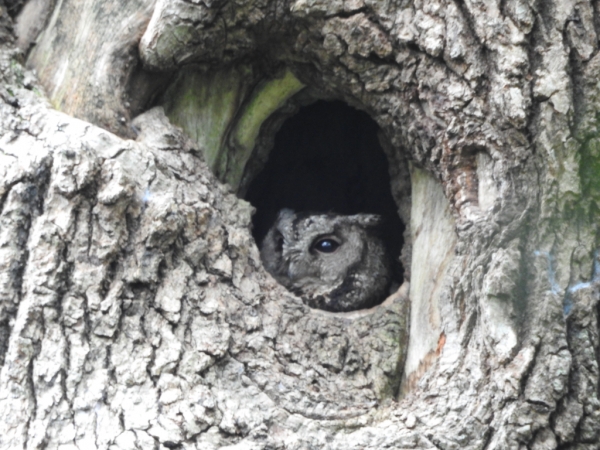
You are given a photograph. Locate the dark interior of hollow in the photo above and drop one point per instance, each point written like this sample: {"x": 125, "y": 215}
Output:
{"x": 327, "y": 158}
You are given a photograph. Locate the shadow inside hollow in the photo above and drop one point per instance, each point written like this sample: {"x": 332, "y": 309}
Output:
{"x": 327, "y": 158}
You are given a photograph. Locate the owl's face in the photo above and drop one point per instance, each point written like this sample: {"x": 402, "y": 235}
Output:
{"x": 327, "y": 258}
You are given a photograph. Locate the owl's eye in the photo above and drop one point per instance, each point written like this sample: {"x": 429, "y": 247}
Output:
{"x": 326, "y": 245}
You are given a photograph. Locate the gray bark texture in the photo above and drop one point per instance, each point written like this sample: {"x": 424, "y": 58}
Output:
{"x": 134, "y": 310}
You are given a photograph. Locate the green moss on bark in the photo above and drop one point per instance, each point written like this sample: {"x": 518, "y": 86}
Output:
{"x": 223, "y": 114}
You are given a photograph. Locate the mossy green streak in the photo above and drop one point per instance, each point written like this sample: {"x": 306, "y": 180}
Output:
{"x": 223, "y": 115}
{"x": 265, "y": 100}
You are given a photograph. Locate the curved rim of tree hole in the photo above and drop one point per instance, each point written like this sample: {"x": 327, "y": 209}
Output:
{"x": 327, "y": 160}
{"x": 273, "y": 149}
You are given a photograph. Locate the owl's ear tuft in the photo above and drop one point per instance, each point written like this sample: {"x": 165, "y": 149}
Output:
{"x": 286, "y": 213}
{"x": 286, "y": 217}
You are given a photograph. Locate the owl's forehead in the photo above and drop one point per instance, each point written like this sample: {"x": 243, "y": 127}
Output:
{"x": 316, "y": 223}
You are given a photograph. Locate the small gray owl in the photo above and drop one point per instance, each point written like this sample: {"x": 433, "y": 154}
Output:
{"x": 333, "y": 262}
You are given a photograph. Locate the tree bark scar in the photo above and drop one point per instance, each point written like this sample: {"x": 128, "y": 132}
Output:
{"x": 441, "y": 343}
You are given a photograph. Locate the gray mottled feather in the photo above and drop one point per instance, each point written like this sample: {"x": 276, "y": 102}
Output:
{"x": 356, "y": 275}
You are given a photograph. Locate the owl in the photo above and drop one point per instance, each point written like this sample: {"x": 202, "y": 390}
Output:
{"x": 333, "y": 262}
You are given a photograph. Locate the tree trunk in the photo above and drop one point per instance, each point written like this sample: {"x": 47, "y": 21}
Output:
{"x": 134, "y": 310}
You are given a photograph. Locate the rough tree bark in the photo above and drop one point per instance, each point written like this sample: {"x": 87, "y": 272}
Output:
{"x": 134, "y": 312}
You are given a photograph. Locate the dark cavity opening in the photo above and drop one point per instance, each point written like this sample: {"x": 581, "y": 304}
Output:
{"x": 328, "y": 158}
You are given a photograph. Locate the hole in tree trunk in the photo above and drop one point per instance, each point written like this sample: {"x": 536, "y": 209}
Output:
{"x": 327, "y": 158}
